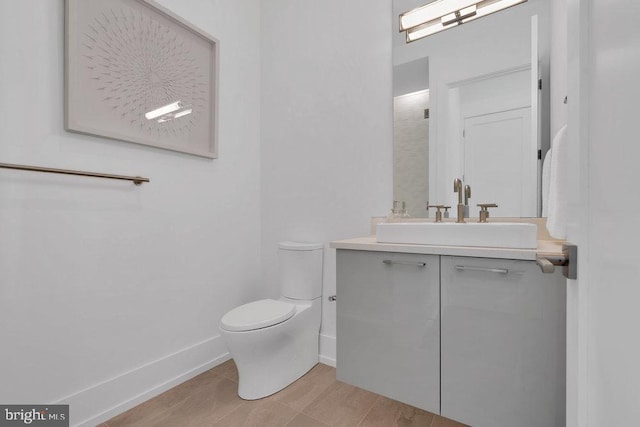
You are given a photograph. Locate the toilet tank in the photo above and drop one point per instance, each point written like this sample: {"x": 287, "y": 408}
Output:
{"x": 300, "y": 269}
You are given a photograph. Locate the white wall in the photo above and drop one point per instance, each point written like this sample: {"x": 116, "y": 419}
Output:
{"x": 603, "y": 47}
{"x": 326, "y": 129}
{"x": 411, "y": 77}
{"x": 610, "y": 263}
{"x": 108, "y": 290}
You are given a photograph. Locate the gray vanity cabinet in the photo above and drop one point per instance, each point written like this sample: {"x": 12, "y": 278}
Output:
{"x": 388, "y": 322}
{"x": 503, "y": 343}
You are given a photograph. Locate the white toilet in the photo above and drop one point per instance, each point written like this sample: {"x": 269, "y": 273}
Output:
{"x": 275, "y": 342}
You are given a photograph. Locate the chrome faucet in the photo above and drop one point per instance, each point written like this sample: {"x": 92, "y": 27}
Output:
{"x": 457, "y": 188}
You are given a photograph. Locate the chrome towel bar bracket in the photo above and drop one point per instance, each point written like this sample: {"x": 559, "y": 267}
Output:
{"x": 568, "y": 261}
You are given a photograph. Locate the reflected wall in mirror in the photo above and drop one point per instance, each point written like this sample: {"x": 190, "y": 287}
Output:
{"x": 488, "y": 121}
{"x": 411, "y": 135}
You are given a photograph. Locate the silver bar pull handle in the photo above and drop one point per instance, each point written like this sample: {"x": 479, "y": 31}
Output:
{"x": 484, "y": 269}
{"x": 416, "y": 263}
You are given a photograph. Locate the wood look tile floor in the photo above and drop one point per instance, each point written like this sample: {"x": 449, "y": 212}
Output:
{"x": 315, "y": 400}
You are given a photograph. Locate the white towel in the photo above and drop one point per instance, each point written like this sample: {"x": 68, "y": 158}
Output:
{"x": 558, "y": 186}
{"x": 546, "y": 177}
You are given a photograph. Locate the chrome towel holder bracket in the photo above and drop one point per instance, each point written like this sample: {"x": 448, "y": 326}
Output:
{"x": 568, "y": 261}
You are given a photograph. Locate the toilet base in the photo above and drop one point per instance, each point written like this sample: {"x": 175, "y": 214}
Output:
{"x": 269, "y": 359}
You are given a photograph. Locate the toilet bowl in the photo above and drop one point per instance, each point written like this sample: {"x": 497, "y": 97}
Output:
{"x": 275, "y": 342}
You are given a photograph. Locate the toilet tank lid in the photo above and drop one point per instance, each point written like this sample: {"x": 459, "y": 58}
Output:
{"x": 300, "y": 246}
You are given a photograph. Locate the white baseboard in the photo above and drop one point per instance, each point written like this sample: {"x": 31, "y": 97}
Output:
{"x": 114, "y": 396}
{"x": 111, "y": 397}
{"x": 328, "y": 350}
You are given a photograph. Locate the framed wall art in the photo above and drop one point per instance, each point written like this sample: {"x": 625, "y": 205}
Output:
{"x": 137, "y": 72}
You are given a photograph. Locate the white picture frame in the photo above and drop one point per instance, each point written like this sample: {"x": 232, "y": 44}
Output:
{"x": 134, "y": 71}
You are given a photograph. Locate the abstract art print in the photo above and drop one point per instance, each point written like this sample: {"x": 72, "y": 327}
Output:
{"x": 136, "y": 72}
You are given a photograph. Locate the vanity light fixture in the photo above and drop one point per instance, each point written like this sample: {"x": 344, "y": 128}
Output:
{"x": 444, "y": 14}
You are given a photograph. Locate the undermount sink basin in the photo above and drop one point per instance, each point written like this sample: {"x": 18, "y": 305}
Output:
{"x": 493, "y": 234}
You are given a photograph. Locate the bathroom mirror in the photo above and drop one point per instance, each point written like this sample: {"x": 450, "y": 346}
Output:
{"x": 468, "y": 104}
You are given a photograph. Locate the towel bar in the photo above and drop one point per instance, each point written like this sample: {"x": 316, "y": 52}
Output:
{"x": 137, "y": 180}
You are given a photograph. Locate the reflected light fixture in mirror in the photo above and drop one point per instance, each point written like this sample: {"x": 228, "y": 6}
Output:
{"x": 444, "y": 14}
{"x": 169, "y": 112}
{"x": 165, "y": 109}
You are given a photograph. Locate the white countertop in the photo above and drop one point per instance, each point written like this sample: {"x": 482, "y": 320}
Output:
{"x": 369, "y": 243}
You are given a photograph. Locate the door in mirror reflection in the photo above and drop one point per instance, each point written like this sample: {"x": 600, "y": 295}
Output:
{"x": 497, "y": 150}
{"x": 498, "y": 161}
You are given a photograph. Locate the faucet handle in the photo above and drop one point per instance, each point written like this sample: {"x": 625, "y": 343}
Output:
{"x": 438, "y": 213}
{"x": 484, "y": 210}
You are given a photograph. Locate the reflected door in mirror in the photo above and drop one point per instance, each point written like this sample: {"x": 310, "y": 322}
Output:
{"x": 499, "y": 164}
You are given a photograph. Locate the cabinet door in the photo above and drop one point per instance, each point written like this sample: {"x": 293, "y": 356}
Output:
{"x": 388, "y": 325}
{"x": 503, "y": 343}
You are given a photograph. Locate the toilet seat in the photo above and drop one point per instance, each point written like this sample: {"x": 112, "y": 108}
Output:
{"x": 257, "y": 315}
